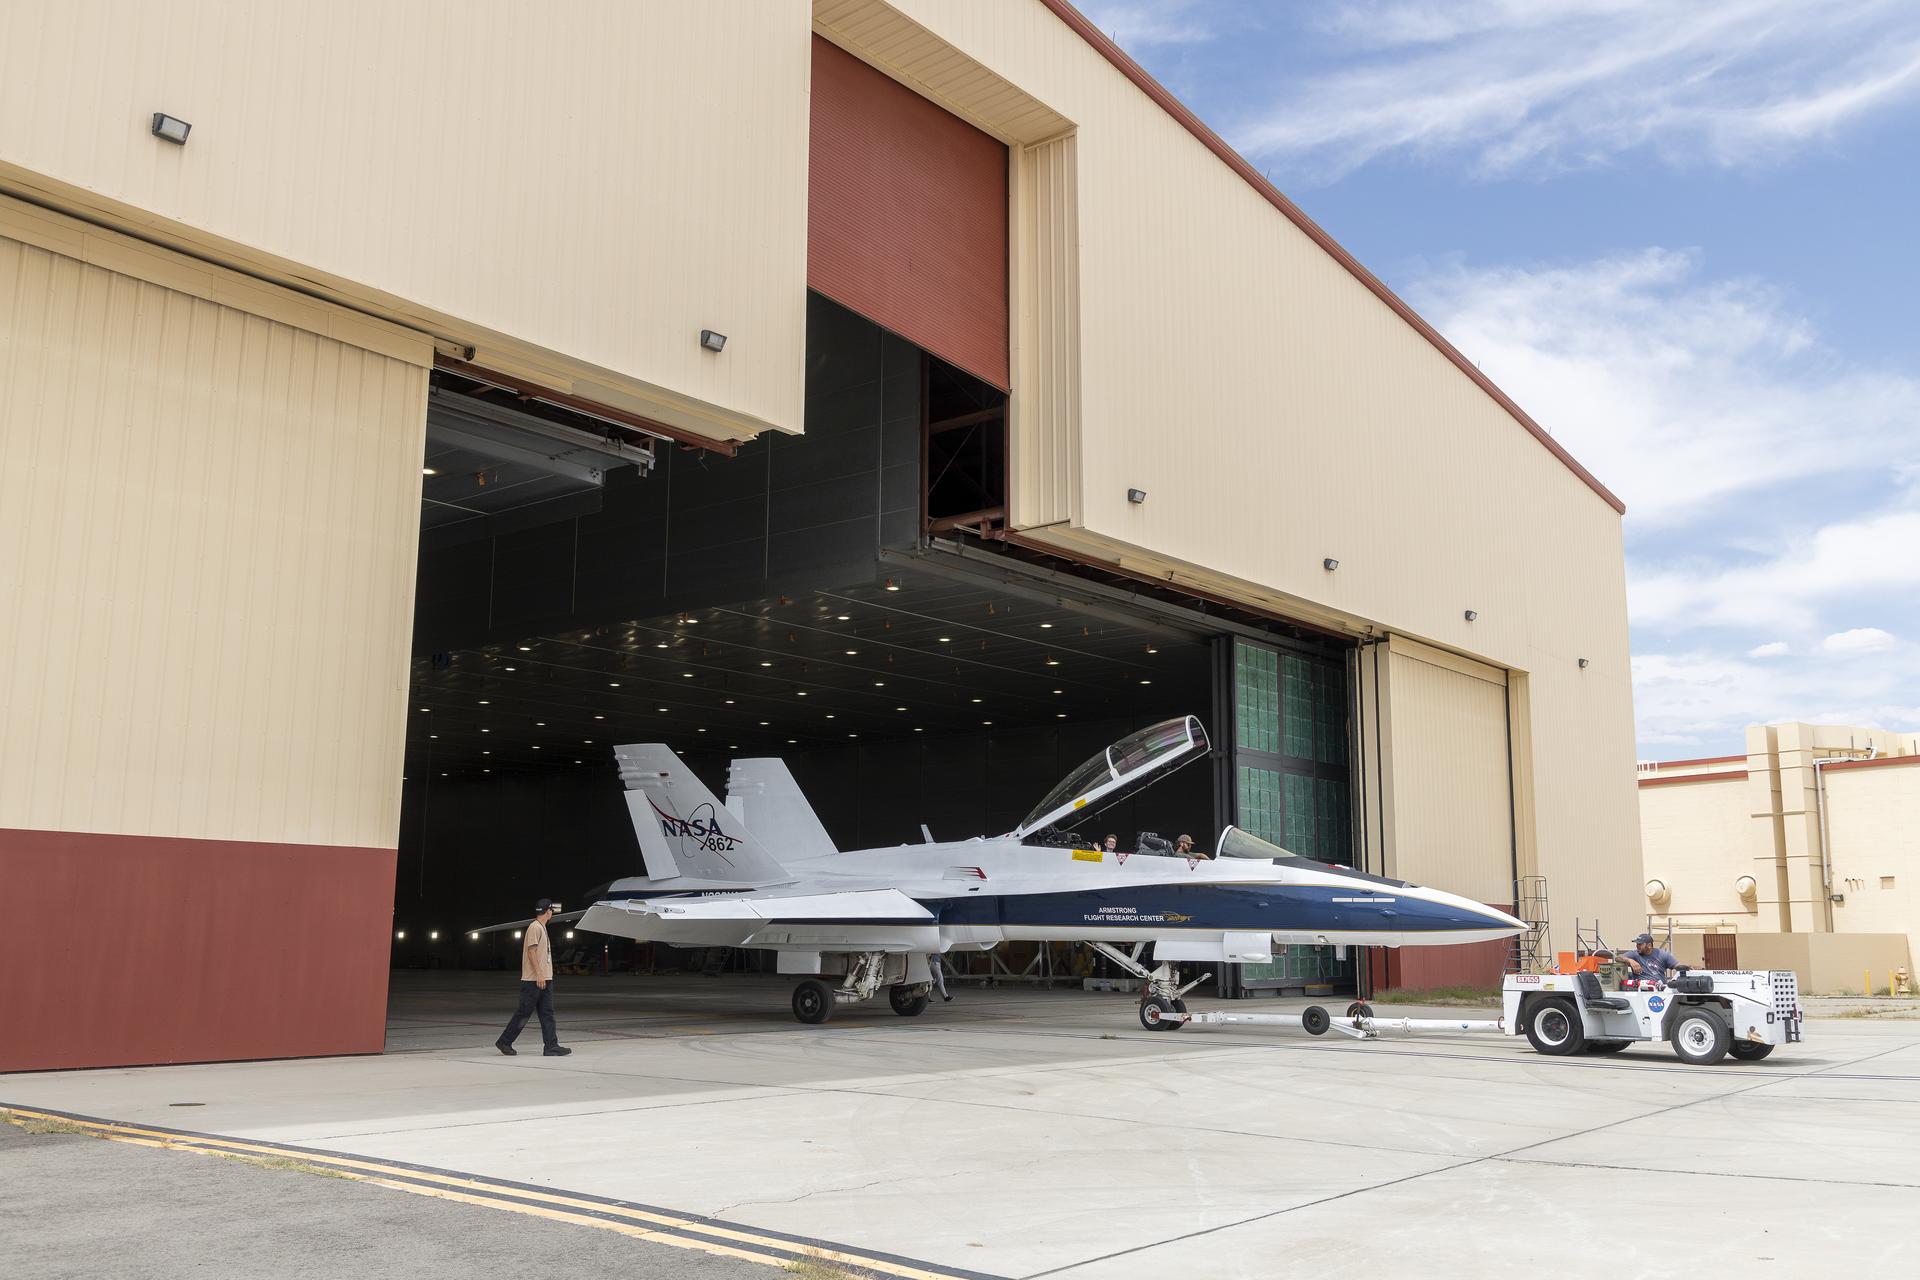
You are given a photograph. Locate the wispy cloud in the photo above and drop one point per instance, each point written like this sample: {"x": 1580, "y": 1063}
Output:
{"x": 1773, "y": 527}
{"x": 1681, "y": 392}
{"x": 1699, "y": 698}
{"x": 1508, "y": 85}
{"x": 1858, "y": 640}
{"x": 1141, "y": 24}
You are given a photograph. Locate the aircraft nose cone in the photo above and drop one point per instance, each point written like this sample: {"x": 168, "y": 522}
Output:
{"x": 1481, "y": 919}
{"x": 1506, "y": 921}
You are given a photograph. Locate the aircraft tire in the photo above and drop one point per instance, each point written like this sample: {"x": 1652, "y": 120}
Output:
{"x": 908, "y": 1002}
{"x": 813, "y": 1002}
{"x": 1359, "y": 1009}
{"x": 1747, "y": 1051}
{"x": 1158, "y": 1015}
{"x": 1315, "y": 1020}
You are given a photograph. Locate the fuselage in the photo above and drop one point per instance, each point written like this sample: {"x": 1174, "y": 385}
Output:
{"x": 985, "y": 891}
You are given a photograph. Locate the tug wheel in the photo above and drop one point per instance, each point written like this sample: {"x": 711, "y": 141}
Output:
{"x": 1315, "y": 1020}
{"x": 813, "y": 1002}
{"x": 1157, "y": 1014}
{"x": 1607, "y": 1046}
{"x": 1747, "y": 1051}
{"x": 1553, "y": 1028}
{"x": 1699, "y": 1036}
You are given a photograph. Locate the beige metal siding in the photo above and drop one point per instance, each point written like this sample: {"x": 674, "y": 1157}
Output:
{"x": 1452, "y": 808}
{"x": 1046, "y": 401}
{"x": 1278, "y": 412}
{"x": 576, "y": 190}
{"x": 1871, "y": 818}
{"x": 1694, "y": 838}
{"x": 208, "y": 525}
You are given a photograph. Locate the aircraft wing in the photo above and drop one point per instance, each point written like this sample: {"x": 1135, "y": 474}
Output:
{"x": 788, "y": 918}
{"x": 559, "y": 917}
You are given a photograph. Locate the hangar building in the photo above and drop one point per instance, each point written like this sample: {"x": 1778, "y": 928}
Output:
{"x": 1797, "y": 855}
{"x": 401, "y": 404}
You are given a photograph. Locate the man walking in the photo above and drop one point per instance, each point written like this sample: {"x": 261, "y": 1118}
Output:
{"x": 536, "y": 986}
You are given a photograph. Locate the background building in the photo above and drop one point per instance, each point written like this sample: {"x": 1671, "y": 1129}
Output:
{"x": 913, "y": 390}
{"x": 1800, "y": 854}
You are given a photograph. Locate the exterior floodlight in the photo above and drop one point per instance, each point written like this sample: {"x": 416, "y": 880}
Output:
{"x": 171, "y": 128}
{"x": 401, "y": 935}
{"x": 1136, "y": 496}
{"x": 1583, "y": 664}
{"x": 712, "y": 341}
{"x": 1329, "y": 564}
{"x": 1471, "y": 614}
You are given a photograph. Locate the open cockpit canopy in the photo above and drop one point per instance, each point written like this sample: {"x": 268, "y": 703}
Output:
{"x": 1120, "y": 770}
{"x": 1235, "y": 843}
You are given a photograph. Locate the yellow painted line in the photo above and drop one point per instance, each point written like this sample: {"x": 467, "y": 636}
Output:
{"x": 473, "y": 1191}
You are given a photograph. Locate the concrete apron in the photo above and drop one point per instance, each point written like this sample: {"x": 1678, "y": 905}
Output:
{"x": 1022, "y": 1132}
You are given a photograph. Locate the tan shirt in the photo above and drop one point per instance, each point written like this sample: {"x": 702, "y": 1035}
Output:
{"x": 536, "y": 958}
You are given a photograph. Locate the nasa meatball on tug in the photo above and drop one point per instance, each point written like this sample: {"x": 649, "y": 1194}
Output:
{"x": 760, "y": 872}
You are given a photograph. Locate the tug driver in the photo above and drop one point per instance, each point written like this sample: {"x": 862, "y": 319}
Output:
{"x": 1649, "y": 962}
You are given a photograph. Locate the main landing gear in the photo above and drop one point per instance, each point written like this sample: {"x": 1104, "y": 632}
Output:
{"x": 867, "y": 972}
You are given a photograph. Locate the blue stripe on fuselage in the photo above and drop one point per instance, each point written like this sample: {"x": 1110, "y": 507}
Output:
{"x": 1241, "y": 908}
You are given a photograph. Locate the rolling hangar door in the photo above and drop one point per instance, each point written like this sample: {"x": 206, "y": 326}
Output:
{"x": 208, "y": 496}
{"x": 1435, "y": 796}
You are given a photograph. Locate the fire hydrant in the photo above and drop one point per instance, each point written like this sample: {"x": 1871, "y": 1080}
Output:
{"x": 1901, "y": 986}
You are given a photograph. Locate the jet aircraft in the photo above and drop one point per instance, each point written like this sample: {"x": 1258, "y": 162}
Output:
{"x": 760, "y": 872}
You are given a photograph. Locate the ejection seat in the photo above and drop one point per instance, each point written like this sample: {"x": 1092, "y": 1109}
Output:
{"x": 1594, "y": 998}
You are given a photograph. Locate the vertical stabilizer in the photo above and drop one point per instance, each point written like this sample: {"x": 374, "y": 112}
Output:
{"x": 685, "y": 833}
{"x": 763, "y": 793}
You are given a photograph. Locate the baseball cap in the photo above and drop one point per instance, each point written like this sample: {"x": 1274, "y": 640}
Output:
{"x": 545, "y": 904}
{"x": 1645, "y": 937}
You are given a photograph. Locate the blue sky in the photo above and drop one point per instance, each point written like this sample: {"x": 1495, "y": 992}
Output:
{"x": 1687, "y": 239}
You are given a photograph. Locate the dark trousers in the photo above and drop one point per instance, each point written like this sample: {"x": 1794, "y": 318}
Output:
{"x": 533, "y": 1000}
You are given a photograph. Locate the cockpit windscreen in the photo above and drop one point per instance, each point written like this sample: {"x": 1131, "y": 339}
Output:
{"x": 1121, "y": 767}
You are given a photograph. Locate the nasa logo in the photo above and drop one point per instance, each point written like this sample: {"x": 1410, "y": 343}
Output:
{"x": 702, "y": 827}
{"x": 1656, "y": 1003}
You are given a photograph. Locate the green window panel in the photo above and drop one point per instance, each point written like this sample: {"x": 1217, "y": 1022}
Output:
{"x": 1259, "y": 803}
{"x": 1329, "y": 717}
{"x": 1330, "y": 820}
{"x": 1296, "y": 707}
{"x": 1256, "y": 699}
{"x": 1301, "y": 836}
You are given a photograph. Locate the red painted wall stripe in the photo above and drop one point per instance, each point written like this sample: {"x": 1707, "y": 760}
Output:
{"x": 1657, "y": 781}
{"x": 907, "y": 215}
{"x": 1675, "y": 764}
{"x": 171, "y": 950}
{"x": 1878, "y": 762}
